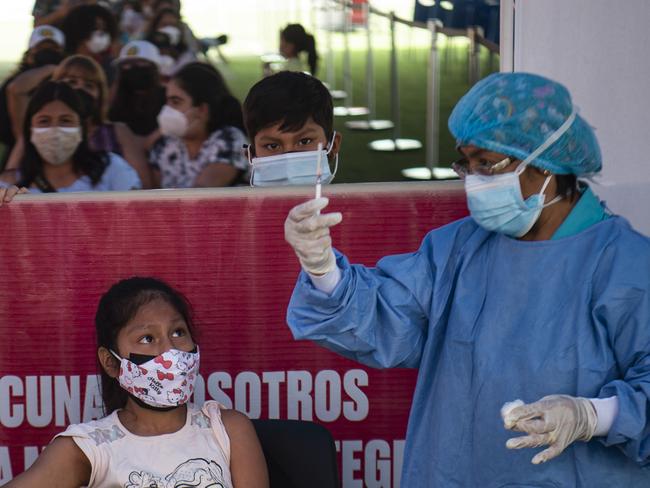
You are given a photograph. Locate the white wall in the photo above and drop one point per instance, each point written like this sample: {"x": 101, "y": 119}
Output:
{"x": 599, "y": 49}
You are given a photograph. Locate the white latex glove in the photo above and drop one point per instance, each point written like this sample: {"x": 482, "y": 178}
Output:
{"x": 308, "y": 233}
{"x": 555, "y": 420}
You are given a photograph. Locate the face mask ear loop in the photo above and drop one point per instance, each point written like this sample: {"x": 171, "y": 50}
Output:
{"x": 336, "y": 158}
{"x": 115, "y": 354}
{"x": 252, "y": 175}
{"x": 546, "y": 182}
{"x": 336, "y": 166}
{"x": 330, "y": 145}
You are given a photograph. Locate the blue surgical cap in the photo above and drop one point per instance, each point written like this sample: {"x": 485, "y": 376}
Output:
{"x": 514, "y": 113}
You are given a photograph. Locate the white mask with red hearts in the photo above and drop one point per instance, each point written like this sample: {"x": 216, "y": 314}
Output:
{"x": 163, "y": 381}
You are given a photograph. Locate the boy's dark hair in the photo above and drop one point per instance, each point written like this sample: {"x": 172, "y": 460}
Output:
{"x": 289, "y": 98}
{"x": 119, "y": 305}
{"x": 204, "y": 84}
{"x": 85, "y": 161}
{"x": 79, "y": 25}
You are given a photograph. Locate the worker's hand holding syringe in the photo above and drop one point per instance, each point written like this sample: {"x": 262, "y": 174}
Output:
{"x": 308, "y": 232}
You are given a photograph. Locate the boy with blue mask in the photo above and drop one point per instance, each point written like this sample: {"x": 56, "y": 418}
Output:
{"x": 287, "y": 116}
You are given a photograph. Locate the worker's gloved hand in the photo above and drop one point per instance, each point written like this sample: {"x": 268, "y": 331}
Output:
{"x": 555, "y": 420}
{"x": 308, "y": 232}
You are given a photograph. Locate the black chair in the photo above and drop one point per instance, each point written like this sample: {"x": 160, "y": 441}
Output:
{"x": 299, "y": 454}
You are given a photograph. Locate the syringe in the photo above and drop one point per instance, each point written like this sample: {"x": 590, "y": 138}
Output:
{"x": 319, "y": 171}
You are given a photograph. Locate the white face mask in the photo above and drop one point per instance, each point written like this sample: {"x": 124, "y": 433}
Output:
{"x": 163, "y": 381}
{"x": 174, "y": 34}
{"x": 293, "y": 168}
{"x": 98, "y": 42}
{"x": 167, "y": 65}
{"x": 172, "y": 122}
{"x": 56, "y": 145}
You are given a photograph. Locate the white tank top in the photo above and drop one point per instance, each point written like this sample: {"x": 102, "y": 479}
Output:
{"x": 196, "y": 455}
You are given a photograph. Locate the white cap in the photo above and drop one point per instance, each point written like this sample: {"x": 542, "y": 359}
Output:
{"x": 46, "y": 33}
{"x": 139, "y": 50}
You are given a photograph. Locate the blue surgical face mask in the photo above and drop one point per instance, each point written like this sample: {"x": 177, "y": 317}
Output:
{"x": 496, "y": 203}
{"x": 293, "y": 168}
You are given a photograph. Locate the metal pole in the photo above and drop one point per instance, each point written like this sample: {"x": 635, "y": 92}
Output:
{"x": 394, "y": 80}
{"x": 396, "y": 143}
{"x": 433, "y": 97}
{"x": 431, "y": 171}
{"x": 472, "y": 70}
{"x": 347, "y": 69}
{"x": 371, "y": 123}
{"x": 348, "y": 109}
{"x": 370, "y": 66}
{"x": 331, "y": 77}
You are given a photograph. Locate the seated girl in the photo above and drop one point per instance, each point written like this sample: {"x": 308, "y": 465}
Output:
{"x": 150, "y": 437}
{"x": 203, "y": 132}
{"x": 56, "y": 155}
{"x": 86, "y": 76}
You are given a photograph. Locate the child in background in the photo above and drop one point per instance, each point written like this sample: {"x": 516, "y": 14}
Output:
{"x": 287, "y": 115}
{"x": 150, "y": 436}
{"x": 294, "y": 40}
{"x": 56, "y": 156}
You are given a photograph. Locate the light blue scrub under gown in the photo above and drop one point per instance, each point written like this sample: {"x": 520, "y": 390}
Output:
{"x": 488, "y": 319}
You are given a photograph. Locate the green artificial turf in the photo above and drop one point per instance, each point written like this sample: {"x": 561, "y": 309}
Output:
{"x": 357, "y": 162}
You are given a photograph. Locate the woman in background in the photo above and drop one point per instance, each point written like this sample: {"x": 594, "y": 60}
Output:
{"x": 203, "y": 132}
{"x": 85, "y": 75}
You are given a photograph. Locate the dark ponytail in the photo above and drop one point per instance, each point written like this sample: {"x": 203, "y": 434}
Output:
{"x": 295, "y": 34}
{"x": 312, "y": 55}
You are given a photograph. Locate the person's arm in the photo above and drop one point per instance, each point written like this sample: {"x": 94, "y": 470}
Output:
{"x": 247, "y": 463}
{"x": 134, "y": 153}
{"x": 621, "y": 297}
{"x": 19, "y": 93}
{"x": 226, "y": 159}
{"x": 216, "y": 174}
{"x": 61, "y": 465}
{"x": 377, "y": 316}
{"x": 16, "y": 155}
{"x": 53, "y": 18}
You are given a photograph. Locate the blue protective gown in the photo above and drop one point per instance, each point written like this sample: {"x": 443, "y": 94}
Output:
{"x": 488, "y": 319}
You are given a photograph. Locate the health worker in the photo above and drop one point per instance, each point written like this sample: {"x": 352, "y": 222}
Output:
{"x": 540, "y": 295}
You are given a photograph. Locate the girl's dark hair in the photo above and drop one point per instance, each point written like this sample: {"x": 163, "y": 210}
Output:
{"x": 116, "y": 308}
{"x": 204, "y": 84}
{"x": 297, "y": 35}
{"x": 181, "y": 47}
{"x": 85, "y": 161}
{"x": 288, "y": 98}
{"x": 79, "y": 24}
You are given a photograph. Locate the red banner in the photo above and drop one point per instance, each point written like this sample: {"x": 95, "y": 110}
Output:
{"x": 225, "y": 250}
